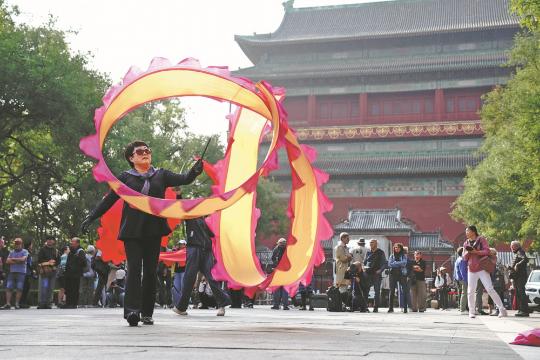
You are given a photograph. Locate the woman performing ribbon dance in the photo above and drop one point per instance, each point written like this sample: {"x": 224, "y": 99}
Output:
{"x": 141, "y": 232}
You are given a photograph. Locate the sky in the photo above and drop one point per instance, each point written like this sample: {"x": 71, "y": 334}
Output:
{"x": 122, "y": 33}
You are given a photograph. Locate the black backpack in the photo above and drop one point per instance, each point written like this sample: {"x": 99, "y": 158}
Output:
{"x": 335, "y": 303}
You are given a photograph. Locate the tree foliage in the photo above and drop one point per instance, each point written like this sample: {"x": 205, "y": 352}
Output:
{"x": 502, "y": 194}
{"x": 529, "y": 11}
{"x": 273, "y": 220}
{"x": 48, "y": 96}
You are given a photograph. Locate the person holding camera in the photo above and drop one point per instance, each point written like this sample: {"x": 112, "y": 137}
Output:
{"x": 418, "y": 283}
{"x": 355, "y": 275}
{"x": 48, "y": 258}
{"x": 518, "y": 273}
{"x": 476, "y": 247}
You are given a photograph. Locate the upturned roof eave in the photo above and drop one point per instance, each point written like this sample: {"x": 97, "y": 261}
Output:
{"x": 266, "y": 39}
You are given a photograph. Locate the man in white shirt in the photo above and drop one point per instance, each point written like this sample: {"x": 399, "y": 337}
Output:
{"x": 359, "y": 252}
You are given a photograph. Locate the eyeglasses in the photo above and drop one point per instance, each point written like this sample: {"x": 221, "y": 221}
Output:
{"x": 141, "y": 152}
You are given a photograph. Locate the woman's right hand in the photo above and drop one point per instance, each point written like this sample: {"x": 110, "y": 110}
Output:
{"x": 197, "y": 168}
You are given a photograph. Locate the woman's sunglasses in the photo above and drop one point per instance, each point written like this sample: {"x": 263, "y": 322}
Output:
{"x": 141, "y": 152}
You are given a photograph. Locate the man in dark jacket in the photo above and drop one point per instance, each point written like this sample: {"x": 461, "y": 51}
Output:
{"x": 48, "y": 258}
{"x": 374, "y": 264}
{"x": 518, "y": 272}
{"x": 279, "y": 296}
{"x": 199, "y": 258}
{"x": 75, "y": 266}
{"x": 102, "y": 270}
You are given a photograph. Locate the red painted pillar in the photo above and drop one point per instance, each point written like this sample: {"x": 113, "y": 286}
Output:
{"x": 363, "y": 105}
{"x": 311, "y": 107}
{"x": 439, "y": 104}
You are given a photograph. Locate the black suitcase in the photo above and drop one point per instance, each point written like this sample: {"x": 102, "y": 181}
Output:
{"x": 334, "y": 299}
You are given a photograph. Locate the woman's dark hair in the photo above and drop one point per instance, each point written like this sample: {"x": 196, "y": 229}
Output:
{"x": 460, "y": 251}
{"x": 128, "y": 152}
{"x": 473, "y": 229}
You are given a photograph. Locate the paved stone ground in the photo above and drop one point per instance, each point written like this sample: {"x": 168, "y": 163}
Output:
{"x": 261, "y": 333}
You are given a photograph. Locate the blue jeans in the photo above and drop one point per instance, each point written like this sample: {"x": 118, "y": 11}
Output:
{"x": 202, "y": 260}
{"x": 46, "y": 287}
{"x": 399, "y": 282}
{"x": 280, "y": 296}
{"x": 177, "y": 286}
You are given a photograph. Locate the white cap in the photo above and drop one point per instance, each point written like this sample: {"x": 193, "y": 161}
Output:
{"x": 282, "y": 241}
{"x": 120, "y": 274}
{"x": 91, "y": 249}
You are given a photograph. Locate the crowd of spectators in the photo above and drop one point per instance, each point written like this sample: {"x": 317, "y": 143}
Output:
{"x": 360, "y": 275}
{"x": 364, "y": 277}
{"x": 80, "y": 278}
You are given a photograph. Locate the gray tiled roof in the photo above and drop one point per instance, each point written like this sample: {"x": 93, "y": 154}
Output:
{"x": 397, "y": 164}
{"x": 373, "y": 219}
{"x": 428, "y": 241}
{"x": 388, "y": 19}
{"x": 389, "y": 65}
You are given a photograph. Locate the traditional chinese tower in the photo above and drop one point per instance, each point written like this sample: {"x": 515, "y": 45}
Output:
{"x": 389, "y": 94}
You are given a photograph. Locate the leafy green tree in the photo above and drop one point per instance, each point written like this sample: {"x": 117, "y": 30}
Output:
{"x": 502, "y": 194}
{"x": 273, "y": 220}
{"x": 46, "y": 94}
{"x": 529, "y": 11}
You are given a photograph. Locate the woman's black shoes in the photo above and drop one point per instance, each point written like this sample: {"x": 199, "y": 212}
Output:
{"x": 133, "y": 319}
{"x": 147, "y": 320}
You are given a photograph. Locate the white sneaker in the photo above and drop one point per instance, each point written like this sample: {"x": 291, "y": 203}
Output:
{"x": 221, "y": 311}
{"x": 503, "y": 313}
{"x": 472, "y": 315}
{"x": 179, "y": 312}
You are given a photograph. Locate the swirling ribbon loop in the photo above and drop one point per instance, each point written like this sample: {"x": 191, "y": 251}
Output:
{"x": 232, "y": 203}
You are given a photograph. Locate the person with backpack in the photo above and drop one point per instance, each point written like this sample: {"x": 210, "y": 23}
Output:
{"x": 60, "y": 276}
{"x": 48, "y": 259}
{"x": 199, "y": 258}
{"x": 75, "y": 266}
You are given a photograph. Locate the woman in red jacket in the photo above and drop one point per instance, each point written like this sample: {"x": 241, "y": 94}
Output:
{"x": 476, "y": 247}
